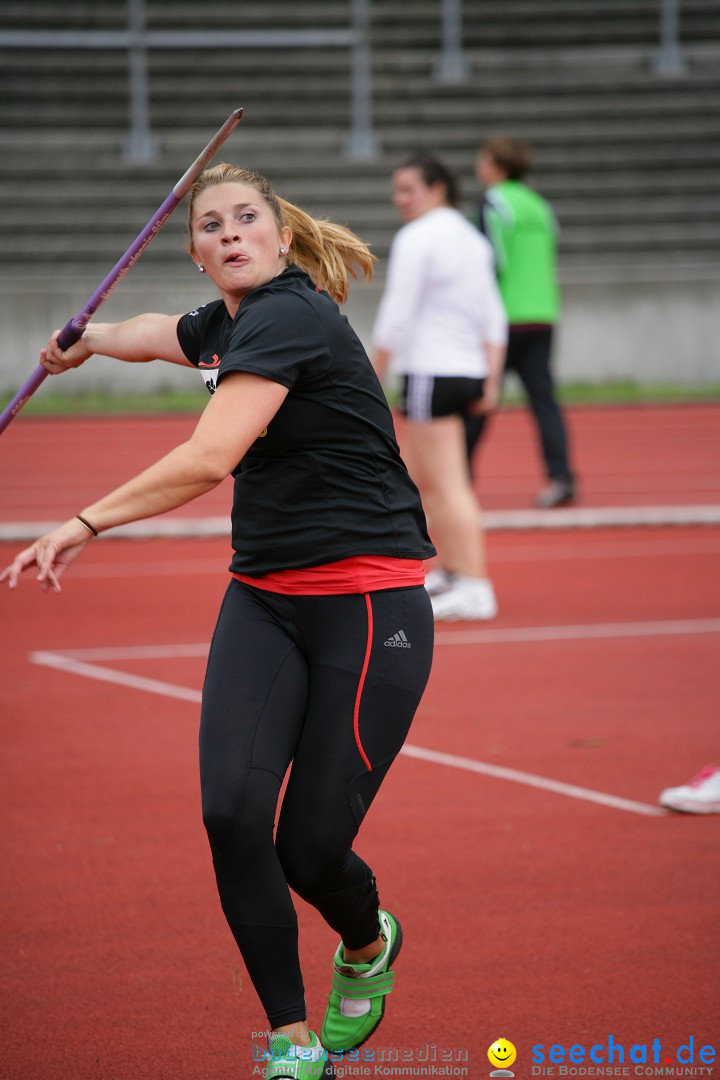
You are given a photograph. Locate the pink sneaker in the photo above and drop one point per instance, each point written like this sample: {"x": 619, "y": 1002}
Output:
{"x": 700, "y": 796}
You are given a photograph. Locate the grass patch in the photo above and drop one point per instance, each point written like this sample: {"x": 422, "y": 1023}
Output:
{"x": 627, "y": 392}
{"x": 617, "y": 392}
{"x": 100, "y": 404}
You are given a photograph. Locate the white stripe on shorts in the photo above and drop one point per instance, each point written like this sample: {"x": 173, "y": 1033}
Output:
{"x": 418, "y": 399}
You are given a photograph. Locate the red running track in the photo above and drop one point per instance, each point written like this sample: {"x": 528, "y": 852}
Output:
{"x": 530, "y": 913}
{"x": 626, "y": 456}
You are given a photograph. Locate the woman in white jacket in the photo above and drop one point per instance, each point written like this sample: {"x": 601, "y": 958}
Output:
{"x": 441, "y": 328}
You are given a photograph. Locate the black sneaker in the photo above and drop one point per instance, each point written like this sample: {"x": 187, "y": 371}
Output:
{"x": 557, "y": 493}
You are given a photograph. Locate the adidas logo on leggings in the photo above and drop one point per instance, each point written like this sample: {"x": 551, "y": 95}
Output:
{"x": 398, "y": 641}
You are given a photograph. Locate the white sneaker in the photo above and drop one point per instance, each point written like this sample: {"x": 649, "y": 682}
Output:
{"x": 700, "y": 796}
{"x": 438, "y": 580}
{"x": 467, "y": 598}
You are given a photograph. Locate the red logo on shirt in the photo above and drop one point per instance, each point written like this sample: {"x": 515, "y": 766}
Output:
{"x": 215, "y": 363}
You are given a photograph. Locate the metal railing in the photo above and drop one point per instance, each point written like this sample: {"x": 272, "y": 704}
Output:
{"x": 450, "y": 66}
{"x": 669, "y": 59}
{"x": 362, "y": 142}
{"x": 137, "y": 41}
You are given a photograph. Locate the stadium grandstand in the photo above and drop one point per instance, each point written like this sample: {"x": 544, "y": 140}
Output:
{"x": 103, "y": 108}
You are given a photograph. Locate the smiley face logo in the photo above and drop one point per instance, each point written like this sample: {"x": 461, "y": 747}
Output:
{"x": 502, "y": 1054}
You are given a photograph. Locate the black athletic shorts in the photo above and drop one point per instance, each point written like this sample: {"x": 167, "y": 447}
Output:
{"x": 426, "y": 397}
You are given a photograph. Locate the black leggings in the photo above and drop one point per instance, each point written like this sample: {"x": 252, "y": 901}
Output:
{"x": 529, "y": 355}
{"x": 329, "y": 684}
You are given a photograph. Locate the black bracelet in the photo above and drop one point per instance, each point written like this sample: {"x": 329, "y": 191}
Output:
{"x": 87, "y": 525}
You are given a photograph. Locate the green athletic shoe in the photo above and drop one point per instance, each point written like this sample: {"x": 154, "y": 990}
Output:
{"x": 285, "y": 1059}
{"x": 357, "y": 998}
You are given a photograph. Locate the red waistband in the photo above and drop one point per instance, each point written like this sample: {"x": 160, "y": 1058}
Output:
{"x": 529, "y": 326}
{"x": 359, "y": 574}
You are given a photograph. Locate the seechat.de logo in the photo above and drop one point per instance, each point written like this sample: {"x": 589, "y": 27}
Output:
{"x": 641, "y": 1059}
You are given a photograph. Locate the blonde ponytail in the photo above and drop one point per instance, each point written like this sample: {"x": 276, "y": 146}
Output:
{"x": 325, "y": 251}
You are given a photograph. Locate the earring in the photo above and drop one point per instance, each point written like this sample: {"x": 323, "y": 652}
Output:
{"x": 283, "y": 251}
{"x": 200, "y": 267}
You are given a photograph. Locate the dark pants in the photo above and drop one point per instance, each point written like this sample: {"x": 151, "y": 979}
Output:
{"x": 529, "y": 353}
{"x": 327, "y": 685}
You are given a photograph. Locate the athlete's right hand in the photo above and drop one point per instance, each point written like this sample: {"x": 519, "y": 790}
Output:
{"x": 51, "y": 554}
{"x": 55, "y": 361}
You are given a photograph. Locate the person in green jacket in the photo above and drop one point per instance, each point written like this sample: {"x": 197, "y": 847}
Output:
{"x": 522, "y": 229}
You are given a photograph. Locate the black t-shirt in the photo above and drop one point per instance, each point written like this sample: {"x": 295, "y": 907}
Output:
{"x": 325, "y": 481}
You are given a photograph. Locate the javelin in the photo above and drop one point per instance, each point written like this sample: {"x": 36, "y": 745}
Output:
{"x": 73, "y": 330}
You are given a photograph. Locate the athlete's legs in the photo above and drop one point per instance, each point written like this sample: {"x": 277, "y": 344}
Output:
{"x": 531, "y": 356}
{"x": 309, "y": 679}
{"x": 477, "y": 426}
{"x": 254, "y": 702}
{"x": 437, "y": 457}
{"x": 369, "y": 660}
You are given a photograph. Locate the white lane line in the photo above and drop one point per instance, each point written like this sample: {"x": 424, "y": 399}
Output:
{"x": 559, "y": 518}
{"x": 591, "y": 631}
{"x": 601, "y": 516}
{"x": 130, "y": 652}
{"x": 531, "y": 780}
{"x": 649, "y": 547}
{"x": 148, "y": 529}
{"x": 120, "y": 678}
{"x": 157, "y": 686}
{"x": 508, "y": 635}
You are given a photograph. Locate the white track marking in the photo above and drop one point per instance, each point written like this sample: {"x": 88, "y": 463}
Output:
{"x": 531, "y": 780}
{"x": 129, "y": 652}
{"x": 559, "y": 518}
{"x": 619, "y": 547}
{"x": 502, "y": 636}
{"x": 86, "y": 663}
{"x": 149, "y": 529}
{"x": 436, "y": 757}
{"x": 120, "y": 678}
{"x": 592, "y": 631}
{"x": 601, "y": 517}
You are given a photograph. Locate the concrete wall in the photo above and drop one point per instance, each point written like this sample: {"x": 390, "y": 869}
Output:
{"x": 639, "y": 326}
